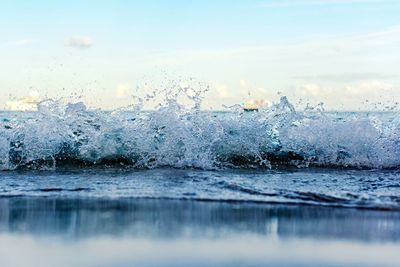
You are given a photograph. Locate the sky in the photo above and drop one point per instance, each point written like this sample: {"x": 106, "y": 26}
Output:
{"x": 344, "y": 53}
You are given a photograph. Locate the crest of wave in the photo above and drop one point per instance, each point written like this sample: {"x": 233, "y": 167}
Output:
{"x": 178, "y": 136}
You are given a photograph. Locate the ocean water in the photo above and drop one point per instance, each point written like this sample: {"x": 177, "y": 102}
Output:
{"x": 179, "y": 186}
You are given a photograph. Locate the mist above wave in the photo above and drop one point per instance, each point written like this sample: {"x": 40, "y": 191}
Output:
{"x": 178, "y": 136}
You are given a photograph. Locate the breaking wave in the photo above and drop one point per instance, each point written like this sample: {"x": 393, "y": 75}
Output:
{"x": 180, "y": 137}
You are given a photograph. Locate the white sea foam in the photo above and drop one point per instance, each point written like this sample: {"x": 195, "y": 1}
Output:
{"x": 177, "y": 136}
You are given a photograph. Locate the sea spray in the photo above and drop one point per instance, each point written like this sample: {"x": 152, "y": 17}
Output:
{"x": 181, "y": 136}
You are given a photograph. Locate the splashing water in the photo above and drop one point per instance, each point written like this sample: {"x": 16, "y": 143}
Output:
{"x": 174, "y": 135}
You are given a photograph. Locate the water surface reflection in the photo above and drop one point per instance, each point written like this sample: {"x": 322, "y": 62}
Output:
{"x": 167, "y": 218}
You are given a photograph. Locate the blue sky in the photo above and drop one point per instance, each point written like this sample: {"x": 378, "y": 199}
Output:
{"x": 338, "y": 52}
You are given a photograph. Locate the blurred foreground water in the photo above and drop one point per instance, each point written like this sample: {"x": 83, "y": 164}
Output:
{"x": 167, "y": 217}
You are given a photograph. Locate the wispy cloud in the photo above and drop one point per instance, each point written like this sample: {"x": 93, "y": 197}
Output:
{"x": 348, "y": 77}
{"x": 21, "y": 42}
{"x": 296, "y": 3}
{"x": 351, "y": 44}
{"x": 80, "y": 42}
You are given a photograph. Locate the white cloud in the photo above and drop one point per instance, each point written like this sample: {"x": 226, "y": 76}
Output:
{"x": 122, "y": 91}
{"x": 350, "y": 97}
{"x": 222, "y": 90}
{"x": 348, "y": 77}
{"x": 243, "y": 84}
{"x": 368, "y": 88}
{"x": 314, "y": 90}
{"x": 365, "y": 89}
{"x": 26, "y": 103}
{"x": 80, "y": 42}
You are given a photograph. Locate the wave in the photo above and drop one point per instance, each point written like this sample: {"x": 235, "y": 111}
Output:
{"x": 180, "y": 137}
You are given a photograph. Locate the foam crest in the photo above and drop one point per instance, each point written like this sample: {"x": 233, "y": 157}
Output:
{"x": 176, "y": 136}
